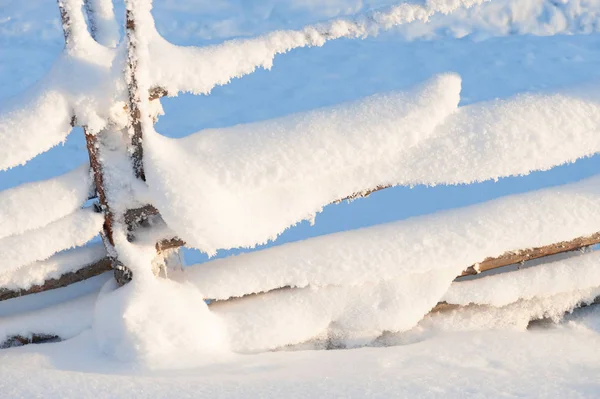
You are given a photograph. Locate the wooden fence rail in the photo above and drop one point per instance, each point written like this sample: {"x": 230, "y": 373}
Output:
{"x": 507, "y": 259}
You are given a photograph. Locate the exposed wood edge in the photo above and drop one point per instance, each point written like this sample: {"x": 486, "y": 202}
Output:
{"x": 89, "y": 271}
{"x": 524, "y": 255}
{"x": 444, "y": 307}
{"x": 138, "y": 216}
{"x": 93, "y": 149}
{"x": 156, "y": 93}
{"x": 171, "y": 243}
{"x": 66, "y": 22}
{"x": 135, "y": 129}
{"x": 362, "y": 194}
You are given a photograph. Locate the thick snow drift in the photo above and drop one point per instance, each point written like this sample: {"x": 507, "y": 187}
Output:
{"x": 453, "y": 239}
{"x": 54, "y": 267}
{"x": 242, "y": 186}
{"x": 34, "y": 205}
{"x": 71, "y": 231}
{"x": 33, "y": 125}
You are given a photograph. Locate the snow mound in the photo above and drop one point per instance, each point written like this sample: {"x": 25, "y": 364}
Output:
{"x": 157, "y": 324}
{"x": 223, "y": 188}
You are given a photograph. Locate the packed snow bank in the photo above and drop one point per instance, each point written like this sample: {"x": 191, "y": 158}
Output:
{"x": 64, "y": 262}
{"x": 198, "y": 70}
{"x": 157, "y": 323}
{"x": 244, "y": 185}
{"x": 250, "y": 182}
{"x": 568, "y": 275}
{"x": 34, "y": 205}
{"x": 452, "y": 239}
{"x": 71, "y": 231}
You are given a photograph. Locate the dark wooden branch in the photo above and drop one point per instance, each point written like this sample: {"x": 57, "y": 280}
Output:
{"x": 92, "y": 145}
{"x": 135, "y": 123}
{"x": 84, "y": 273}
{"x": 66, "y": 22}
{"x": 20, "y": 340}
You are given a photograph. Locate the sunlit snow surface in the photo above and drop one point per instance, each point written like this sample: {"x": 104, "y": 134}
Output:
{"x": 444, "y": 355}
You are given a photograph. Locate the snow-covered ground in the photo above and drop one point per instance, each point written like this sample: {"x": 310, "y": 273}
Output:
{"x": 555, "y": 362}
{"x": 528, "y": 73}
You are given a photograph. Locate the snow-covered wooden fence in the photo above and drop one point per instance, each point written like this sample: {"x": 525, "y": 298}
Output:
{"x": 417, "y": 137}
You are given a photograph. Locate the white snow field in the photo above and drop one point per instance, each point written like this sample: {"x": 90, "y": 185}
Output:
{"x": 485, "y": 115}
